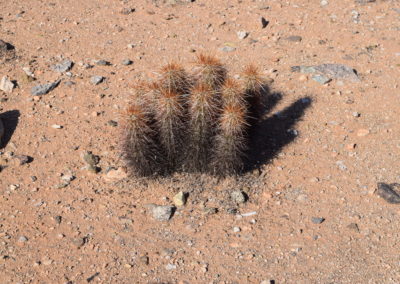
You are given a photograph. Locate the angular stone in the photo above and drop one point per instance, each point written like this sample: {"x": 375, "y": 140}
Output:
{"x": 294, "y": 38}
{"x": 44, "y": 89}
{"x": 95, "y": 80}
{"x": 62, "y": 67}
{"x": 179, "y": 199}
{"x": 161, "y": 212}
{"x": 6, "y": 85}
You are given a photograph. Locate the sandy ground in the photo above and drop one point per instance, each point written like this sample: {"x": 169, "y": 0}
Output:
{"x": 327, "y": 146}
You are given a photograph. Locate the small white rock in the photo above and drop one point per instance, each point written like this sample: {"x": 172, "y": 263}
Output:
{"x": 56, "y": 126}
{"x": 6, "y": 85}
{"x": 242, "y": 34}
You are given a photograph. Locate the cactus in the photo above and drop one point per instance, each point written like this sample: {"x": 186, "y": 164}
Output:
{"x": 254, "y": 90}
{"x": 192, "y": 122}
{"x": 139, "y": 146}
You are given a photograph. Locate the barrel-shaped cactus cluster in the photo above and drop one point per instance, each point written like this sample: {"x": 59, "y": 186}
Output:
{"x": 191, "y": 122}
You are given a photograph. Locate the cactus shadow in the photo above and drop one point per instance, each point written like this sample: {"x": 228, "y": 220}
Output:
{"x": 10, "y": 121}
{"x": 271, "y": 134}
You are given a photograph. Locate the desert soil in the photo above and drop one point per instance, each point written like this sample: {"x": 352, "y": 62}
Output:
{"x": 312, "y": 213}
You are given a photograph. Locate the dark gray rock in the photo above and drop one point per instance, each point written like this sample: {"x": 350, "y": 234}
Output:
{"x": 294, "y": 38}
{"x": 387, "y": 192}
{"x": 264, "y": 23}
{"x": 44, "y": 89}
{"x": 102, "y": 62}
{"x": 127, "y": 62}
{"x": 95, "y": 80}
{"x": 62, "y": 67}
{"x": 317, "y": 220}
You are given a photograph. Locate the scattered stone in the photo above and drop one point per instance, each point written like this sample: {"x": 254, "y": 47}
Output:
{"x": 238, "y": 196}
{"x": 236, "y": 229}
{"x": 127, "y": 62}
{"x": 112, "y": 123}
{"x": 22, "y": 239}
{"x": 356, "y": 114}
{"x": 388, "y": 192}
{"x": 161, "y": 212}
{"x": 6, "y": 85}
{"x": 116, "y": 174}
{"x": 228, "y": 48}
{"x": 170, "y": 266}
{"x": 47, "y": 261}
{"x": 324, "y": 3}
{"x": 332, "y": 71}
{"x": 58, "y": 219}
{"x": 317, "y": 220}
{"x": 363, "y": 2}
{"x": 144, "y": 259}
{"x": 62, "y": 67}
{"x": 68, "y": 178}
{"x": 29, "y": 74}
{"x": 91, "y": 278}
{"x": 180, "y": 199}
{"x": 248, "y": 214}
{"x": 69, "y": 83}
{"x": 79, "y": 242}
{"x": 294, "y": 38}
{"x": 210, "y": 210}
{"x": 56, "y": 126}
{"x": 102, "y": 62}
{"x": 354, "y": 227}
{"x": 321, "y": 79}
{"x": 44, "y": 89}
{"x": 341, "y": 165}
{"x": 264, "y": 23}
{"x": 95, "y": 80}
{"x": 127, "y": 11}
{"x": 362, "y": 132}
{"x": 232, "y": 211}
{"x": 7, "y": 51}
{"x": 23, "y": 159}
{"x": 242, "y": 34}
{"x": 90, "y": 159}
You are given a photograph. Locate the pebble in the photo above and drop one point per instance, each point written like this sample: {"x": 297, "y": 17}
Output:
{"x": 356, "y": 114}
{"x": 127, "y": 62}
{"x": 341, "y": 165}
{"x": 112, "y": 123}
{"x": 23, "y": 159}
{"x": 58, "y": 219}
{"x": 242, "y": 34}
{"x": 170, "y": 266}
{"x": 127, "y": 11}
{"x": 62, "y": 67}
{"x": 179, "y": 199}
{"x": 317, "y": 220}
{"x": 161, "y": 212}
{"x": 332, "y": 71}
{"x": 362, "y": 132}
{"x": 56, "y": 126}
{"x": 102, "y": 62}
{"x": 6, "y": 85}
{"x": 238, "y": 196}
{"x": 95, "y": 80}
{"x": 22, "y": 239}
{"x": 324, "y": 3}
{"x": 264, "y": 22}
{"x": 236, "y": 229}
{"x": 294, "y": 38}
{"x": 228, "y": 49}
{"x": 90, "y": 159}
{"x": 44, "y": 89}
